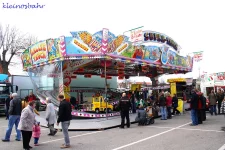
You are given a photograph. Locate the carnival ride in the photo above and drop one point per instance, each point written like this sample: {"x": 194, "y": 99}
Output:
{"x": 56, "y": 62}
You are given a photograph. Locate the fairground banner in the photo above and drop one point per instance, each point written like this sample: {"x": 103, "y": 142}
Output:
{"x": 104, "y": 44}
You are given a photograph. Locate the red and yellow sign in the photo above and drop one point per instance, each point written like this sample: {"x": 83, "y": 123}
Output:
{"x": 82, "y": 46}
{"x": 39, "y": 52}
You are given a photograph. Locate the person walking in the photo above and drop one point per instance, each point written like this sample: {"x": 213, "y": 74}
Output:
{"x": 169, "y": 105}
{"x": 73, "y": 102}
{"x": 220, "y": 97}
{"x": 200, "y": 107}
{"x": 15, "y": 109}
{"x": 203, "y": 108}
{"x": 51, "y": 117}
{"x": 26, "y": 124}
{"x": 64, "y": 116}
{"x": 7, "y": 104}
{"x": 137, "y": 94}
{"x": 124, "y": 105}
{"x": 162, "y": 104}
{"x": 175, "y": 105}
{"x": 133, "y": 102}
{"x": 212, "y": 102}
{"x": 194, "y": 108}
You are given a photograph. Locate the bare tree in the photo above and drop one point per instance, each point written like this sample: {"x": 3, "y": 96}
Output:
{"x": 12, "y": 43}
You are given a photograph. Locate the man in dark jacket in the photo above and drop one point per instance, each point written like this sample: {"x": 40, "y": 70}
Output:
{"x": 7, "y": 104}
{"x": 15, "y": 109}
{"x": 64, "y": 116}
{"x": 175, "y": 105}
{"x": 137, "y": 94}
{"x": 133, "y": 102}
{"x": 194, "y": 108}
{"x": 200, "y": 107}
{"x": 124, "y": 105}
{"x": 203, "y": 108}
{"x": 219, "y": 98}
{"x": 162, "y": 104}
{"x": 73, "y": 101}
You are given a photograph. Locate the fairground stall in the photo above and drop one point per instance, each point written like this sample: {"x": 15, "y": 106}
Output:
{"x": 212, "y": 81}
{"x": 54, "y": 65}
{"x": 182, "y": 87}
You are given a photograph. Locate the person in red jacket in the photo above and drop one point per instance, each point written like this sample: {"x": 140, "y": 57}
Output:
{"x": 200, "y": 107}
{"x": 31, "y": 97}
{"x": 169, "y": 105}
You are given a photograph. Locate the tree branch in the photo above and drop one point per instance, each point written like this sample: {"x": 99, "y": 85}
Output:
{"x": 9, "y": 61}
{"x": 13, "y": 43}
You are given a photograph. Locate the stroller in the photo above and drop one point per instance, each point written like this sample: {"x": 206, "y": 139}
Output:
{"x": 150, "y": 117}
{"x": 145, "y": 117}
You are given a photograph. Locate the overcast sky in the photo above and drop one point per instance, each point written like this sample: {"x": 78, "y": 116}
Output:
{"x": 196, "y": 25}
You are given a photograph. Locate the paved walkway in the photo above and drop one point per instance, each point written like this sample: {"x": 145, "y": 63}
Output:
{"x": 173, "y": 134}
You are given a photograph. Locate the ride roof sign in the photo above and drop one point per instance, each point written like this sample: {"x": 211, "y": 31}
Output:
{"x": 136, "y": 35}
{"x": 151, "y": 36}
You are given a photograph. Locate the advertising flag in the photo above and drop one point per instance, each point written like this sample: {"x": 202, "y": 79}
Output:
{"x": 198, "y": 56}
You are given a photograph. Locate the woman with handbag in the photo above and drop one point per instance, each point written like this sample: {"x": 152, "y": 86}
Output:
{"x": 26, "y": 123}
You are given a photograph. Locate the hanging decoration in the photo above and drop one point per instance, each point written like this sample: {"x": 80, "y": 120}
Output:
{"x": 108, "y": 77}
{"x": 87, "y": 75}
{"x": 121, "y": 77}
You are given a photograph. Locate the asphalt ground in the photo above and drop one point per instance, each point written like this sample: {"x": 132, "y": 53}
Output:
{"x": 173, "y": 134}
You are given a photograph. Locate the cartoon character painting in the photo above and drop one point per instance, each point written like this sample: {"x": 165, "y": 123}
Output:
{"x": 171, "y": 59}
{"x": 26, "y": 60}
{"x": 153, "y": 54}
{"x": 189, "y": 61}
{"x": 53, "y": 48}
{"x": 138, "y": 52}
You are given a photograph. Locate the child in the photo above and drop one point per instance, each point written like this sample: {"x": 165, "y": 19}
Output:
{"x": 36, "y": 133}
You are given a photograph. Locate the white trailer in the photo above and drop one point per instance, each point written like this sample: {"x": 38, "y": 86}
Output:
{"x": 24, "y": 83}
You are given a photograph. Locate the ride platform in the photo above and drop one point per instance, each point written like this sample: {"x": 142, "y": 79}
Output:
{"x": 88, "y": 124}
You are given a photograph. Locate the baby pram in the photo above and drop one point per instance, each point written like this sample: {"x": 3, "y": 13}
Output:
{"x": 150, "y": 117}
{"x": 145, "y": 117}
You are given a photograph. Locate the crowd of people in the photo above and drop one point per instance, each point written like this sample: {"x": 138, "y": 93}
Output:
{"x": 167, "y": 105}
{"x": 146, "y": 108}
{"x": 26, "y": 124}
{"x": 23, "y": 117}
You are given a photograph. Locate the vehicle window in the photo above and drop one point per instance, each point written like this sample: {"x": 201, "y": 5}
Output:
{"x": 4, "y": 90}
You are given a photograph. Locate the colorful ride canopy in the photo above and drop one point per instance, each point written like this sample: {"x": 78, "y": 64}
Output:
{"x": 105, "y": 45}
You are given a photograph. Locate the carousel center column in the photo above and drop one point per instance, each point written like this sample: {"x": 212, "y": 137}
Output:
{"x": 64, "y": 83}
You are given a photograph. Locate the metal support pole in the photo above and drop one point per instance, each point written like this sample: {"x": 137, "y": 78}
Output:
{"x": 106, "y": 92}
